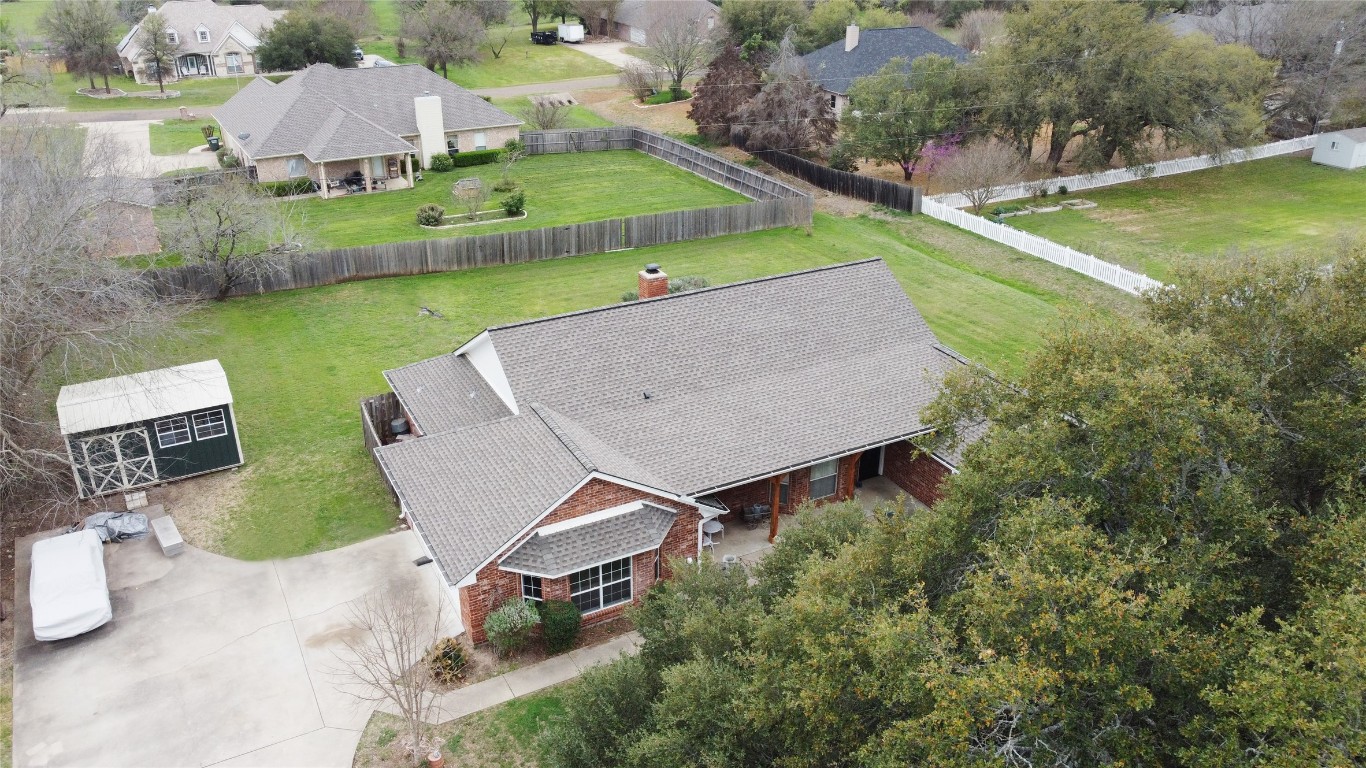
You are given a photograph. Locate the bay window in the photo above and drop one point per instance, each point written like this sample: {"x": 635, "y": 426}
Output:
{"x": 601, "y": 586}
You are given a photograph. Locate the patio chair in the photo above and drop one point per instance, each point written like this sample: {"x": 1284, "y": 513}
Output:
{"x": 707, "y": 543}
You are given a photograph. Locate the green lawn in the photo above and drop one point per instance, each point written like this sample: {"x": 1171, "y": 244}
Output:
{"x": 204, "y": 92}
{"x": 505, "y": 735}
{"x": 176, "y": 137}
{"x": 579, "y": 116}
{"x": 560, "y": 189}
{"x": 299, "y": 361}
{"x": 520, "y": 61}
{"x": 1159, "y": 225}
{"x": 23, "y": 16}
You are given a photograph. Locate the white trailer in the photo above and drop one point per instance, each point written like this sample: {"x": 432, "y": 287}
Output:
{"x": 571, "y": 33}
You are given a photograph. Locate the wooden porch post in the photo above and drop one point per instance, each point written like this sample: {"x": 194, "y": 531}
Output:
{"x": 853, "y": 473}
{"x": 775, "y": 486}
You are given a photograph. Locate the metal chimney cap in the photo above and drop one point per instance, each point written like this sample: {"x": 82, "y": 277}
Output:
{"x": 651, "y": 269}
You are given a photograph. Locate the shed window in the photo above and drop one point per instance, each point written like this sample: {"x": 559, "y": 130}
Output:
{"x": 601, "y": 586}
{"x": 173, "y": 431}
{"x": 531, "y": 587}
{"x": 209, "y": 424}
{"x": 823, "y": 477}
{"x": 1334, "y": 145}
{"x": 297, "y": 167}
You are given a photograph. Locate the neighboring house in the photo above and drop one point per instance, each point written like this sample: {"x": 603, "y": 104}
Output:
{"x": 575, "y": 456}
{"x": 327, "y": 124}
{"x": 635, "y": 20}
{"x": 1342, "y": 149}
{"x": 216, "y": 40}
{"x": 863, "y": 52}
{"x": 147, "y": 428}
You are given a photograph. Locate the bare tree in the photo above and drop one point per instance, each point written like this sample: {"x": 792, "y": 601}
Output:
{"x": 679, "y": 47}
{"x": 978, "y": 28}
{"x": 490, "y": 12}
{"x": 598, "y": 16}
{"x": 158, "y": 49}
{"x": 791, "y": 112}
{"x": 512, "y": 152}
{"x": 84, "y": 32}
{"x": 355, "y": 14}
{"x": 66, "y": 304}
{"x": 1321, "y": 47}
{"x": 234, "y": 230}
{"x": 470, "y": 194}
{"x": 982, "y": 172}
{"x": 496, "y": 44}
{"x": 641, "y": 79}
{"x": 545, "y": 113}
{"x": 24, "y": 83}
{"x": 445, "y": 35}
{"x": 387, "y": 661}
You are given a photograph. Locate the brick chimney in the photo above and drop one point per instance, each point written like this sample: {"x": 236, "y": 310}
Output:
{"x": 850, "y": 37}
{"x": 653, "y": 282}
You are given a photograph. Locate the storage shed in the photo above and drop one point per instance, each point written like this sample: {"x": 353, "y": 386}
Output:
{"x": 1342, "y": 149}
{"x": 147, "y": 428}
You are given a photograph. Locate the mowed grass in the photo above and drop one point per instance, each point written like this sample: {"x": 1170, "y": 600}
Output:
{"x": 22, "y": 16}
{"x": 560, "y": 189}
{"x": 300, "y": 361}
{"x": 519, "y": 63}
{"x": 1160, "y": 225}
{"x": 176, "y": 137}
{"x": 199, "y": 92}
{"x": 505, "y": 735}
{"x": 577, "y": 116}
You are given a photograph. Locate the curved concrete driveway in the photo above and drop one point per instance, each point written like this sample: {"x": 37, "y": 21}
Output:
{"x": 209, "y": 661}
{"x": 133, "y": 148}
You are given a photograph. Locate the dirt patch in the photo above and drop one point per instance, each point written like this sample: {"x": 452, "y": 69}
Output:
{"x": 619, "y": 106}
{"x": 203, "y": 506}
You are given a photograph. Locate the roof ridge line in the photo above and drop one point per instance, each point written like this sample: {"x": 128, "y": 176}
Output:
{"x": 548, "y": 417}
{"x": 685, "y": 294}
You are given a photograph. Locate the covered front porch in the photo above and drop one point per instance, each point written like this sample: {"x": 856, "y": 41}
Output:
{"x": 354, "y": 176}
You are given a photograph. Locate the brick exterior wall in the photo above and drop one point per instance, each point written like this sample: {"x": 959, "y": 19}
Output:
{"x": 798, "y": 491}
{"x": 494, "y": 138}
{"x": 494, "y": 586}
{"x": 277, "y": 169}
{"x": 914, "y": 472}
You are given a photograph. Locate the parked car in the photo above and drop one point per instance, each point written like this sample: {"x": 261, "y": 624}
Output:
{"x": 544, "y": 38}
{"x": 358, "y": 54}
{"x": 67, "y": 586}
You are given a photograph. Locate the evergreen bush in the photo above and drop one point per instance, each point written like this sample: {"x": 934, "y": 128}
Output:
{"x": 441, "y": 163}
{"x": 560, "y": 620}
{"x": 510, "y": 626}
{"x": 430, "y": 215}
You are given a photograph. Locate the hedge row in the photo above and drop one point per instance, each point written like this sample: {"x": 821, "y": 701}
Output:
{"x": 477, "y": 157}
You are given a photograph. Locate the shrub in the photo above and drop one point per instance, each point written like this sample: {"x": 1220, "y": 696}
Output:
{"x": 667, "y": 97}
{"x": 1062, "y": 189}
{"x": 430, "y": 215}
{"x": 477, "y": 157}
{"x": 441, "y": 163}
{"x": 998, "y": 211}
{"x": 288, "y": 188}
{"x": 561, "y": 620}
{"x": 446, "y": 661}
{"x": 842, "y": 158}
{"x": 630, "y": 296}
{"x": 687, "y": 283}
{"x": 751, "y": 162}
{"x": 505, "y": 186}
{"x": 514, "y": 203}
{"x": 226, "y": 159}
{"x": 510, "y": 626}
{"x": 208, "y": 131}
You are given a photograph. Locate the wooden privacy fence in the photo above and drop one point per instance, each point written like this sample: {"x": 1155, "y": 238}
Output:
{"x": 879, "y": 191}
{"x": 1124, "y": 175}
{"x": 375, "y": 415}
{"x": 776, "y": 205}
{"x": 418, "y": 257}
{"x": 1104, "y": 271}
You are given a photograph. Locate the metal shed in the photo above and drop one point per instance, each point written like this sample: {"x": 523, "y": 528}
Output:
{"x": 147, "y": 428}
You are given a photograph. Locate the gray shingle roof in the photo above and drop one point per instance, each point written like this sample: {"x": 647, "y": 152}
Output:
{"x": 186, "y": 16}
{"x": 472, "y": 490}
{"x": 446, "y": 393}
{"x": 325, "y": 113}
{"x": 557, "y": 554}
{"x": 836, "y": 69}
{"x": 1355, "y": 134}
{"x": 644, "y": 14}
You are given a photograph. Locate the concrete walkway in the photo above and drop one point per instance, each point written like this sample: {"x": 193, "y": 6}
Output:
{"x": 132, "y": 146}
{"x": 520, "y": 682}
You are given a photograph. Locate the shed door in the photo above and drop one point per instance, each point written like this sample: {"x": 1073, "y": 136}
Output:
{"x": 118, "y": 460}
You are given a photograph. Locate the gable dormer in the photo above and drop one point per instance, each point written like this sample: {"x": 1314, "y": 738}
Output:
{"x": 201, "y": 33}
{"x": 172, "y": 36}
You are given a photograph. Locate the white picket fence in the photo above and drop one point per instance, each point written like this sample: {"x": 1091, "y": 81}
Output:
{"x": 1104, "y": 271}
{"x": 1163, "y": 168}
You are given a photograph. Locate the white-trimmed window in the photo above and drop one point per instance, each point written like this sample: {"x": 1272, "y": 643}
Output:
{"x": 531, "y": 587}
{"x": 210, "y": 424}
{"x": 203, "y": 34}
{"x": 172, "y": 37}
{"x": 234, "y": 62}
{"x": 173, "y": 431}
{"x": 823, "y": 479}
{"x": 298, "y": 167}
{"x": 601, "y": 586}
{"x": 481, "y": 140}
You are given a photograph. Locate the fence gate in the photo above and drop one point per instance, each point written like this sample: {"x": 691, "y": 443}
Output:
{"x": 118, "y": 460}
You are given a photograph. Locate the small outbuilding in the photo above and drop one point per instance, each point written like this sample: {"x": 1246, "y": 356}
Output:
{"x": 1342, "y": 149}
{"x": 147, "y": 428}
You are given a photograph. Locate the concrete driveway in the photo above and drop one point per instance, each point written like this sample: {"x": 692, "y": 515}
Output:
{"x": 208, "y": 661}
{"x": 611, "y": 51}
{"x": 132, "y": 146}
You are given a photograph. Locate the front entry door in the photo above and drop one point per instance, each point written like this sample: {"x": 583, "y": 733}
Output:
{"x": 115, "y": 461}
{"x": 870, "y": 465}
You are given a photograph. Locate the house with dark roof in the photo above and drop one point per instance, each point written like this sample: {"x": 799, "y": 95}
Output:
{"x": 575, "y": 457}
{"x": 863, "y": 52}
{"x": 368, "y": 125}
{"x": 636, "y": 21}
{"x": 215, "y": 40}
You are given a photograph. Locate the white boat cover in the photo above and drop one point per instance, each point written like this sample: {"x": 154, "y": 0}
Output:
{"x": 67, "y": 586}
